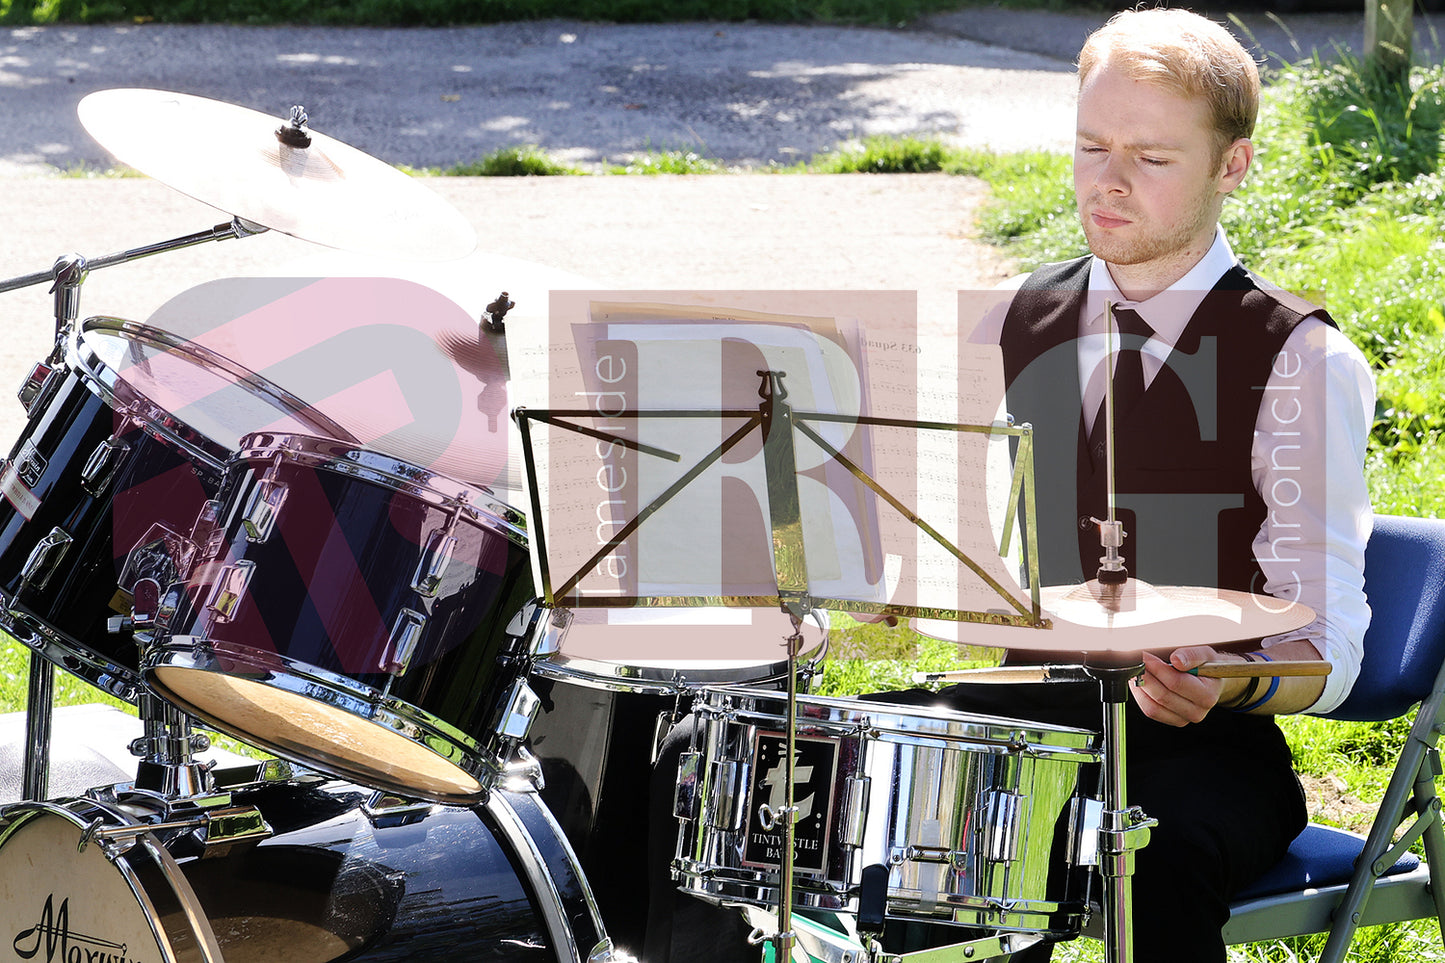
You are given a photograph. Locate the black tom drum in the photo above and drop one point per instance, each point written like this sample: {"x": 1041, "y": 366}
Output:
{"x": 357, "y": 614}
{"x": 113, "y": 480}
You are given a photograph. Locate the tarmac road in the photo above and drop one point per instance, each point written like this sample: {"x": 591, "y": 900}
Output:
{"x": 744, "y": 93}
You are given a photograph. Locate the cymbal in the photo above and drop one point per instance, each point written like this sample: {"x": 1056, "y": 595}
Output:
{"x": 1132, "y": 617}
{"x": 231, "y": 158}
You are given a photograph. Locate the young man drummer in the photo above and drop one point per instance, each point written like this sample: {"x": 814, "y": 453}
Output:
{"x": 1240, "y": 466}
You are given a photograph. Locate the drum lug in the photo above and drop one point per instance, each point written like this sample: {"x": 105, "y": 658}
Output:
{"x": 684, "y": 799}
{"x": 230, "y": 589}
{"x": 521, "y": 709}
{"x": 1085, "y": 821}
{"x": 386, "y": 809}
{"x": 101, "y": 465}
{"x": 227, "y": 828}
{"x": 1002, "y": 822}
{"x": 44, "y": 559}
{"x": 401, "y": 644}
{"x": 206, "y": 531}
{"x": 726, "y": 778}
{"x": 856, "y": 812}
{"x": 433, "y": 564}
{"x": 265, "y": 503}
{"x": 34, "y": 386}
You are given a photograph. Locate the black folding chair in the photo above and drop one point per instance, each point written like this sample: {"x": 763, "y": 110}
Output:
{"x": 1336, "y": 881}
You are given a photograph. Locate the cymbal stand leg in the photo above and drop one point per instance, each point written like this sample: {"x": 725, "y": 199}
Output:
{"x": 1123, "y": 830}
{"x": 39, "y": 708}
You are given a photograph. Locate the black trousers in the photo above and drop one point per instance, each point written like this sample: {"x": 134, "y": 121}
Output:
{"x": 1226, "y": 798}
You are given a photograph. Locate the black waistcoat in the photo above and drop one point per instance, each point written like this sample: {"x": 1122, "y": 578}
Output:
{"x": 1182, "y": 455}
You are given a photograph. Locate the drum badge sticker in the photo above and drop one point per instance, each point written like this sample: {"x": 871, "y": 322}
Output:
{"x": 51, "y": 940}
{"x": 814, "y": 767}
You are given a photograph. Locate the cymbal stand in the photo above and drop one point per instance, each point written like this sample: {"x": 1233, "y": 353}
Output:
{"x": 71, "y": 270}
{"x": 1123, "y": 830}
{"x": 39, "y": 714}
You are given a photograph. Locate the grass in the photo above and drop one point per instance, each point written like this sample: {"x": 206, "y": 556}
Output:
{"x": 526, "y": 160}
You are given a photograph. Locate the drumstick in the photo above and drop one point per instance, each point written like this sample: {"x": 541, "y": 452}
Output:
{"x": 1262, "y": 670}
{"x": 1073, "y": 673}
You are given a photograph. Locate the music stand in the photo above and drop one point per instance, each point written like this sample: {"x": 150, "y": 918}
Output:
{"x": 780, "y": 425}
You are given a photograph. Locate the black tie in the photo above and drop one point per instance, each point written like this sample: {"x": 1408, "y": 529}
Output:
{"x": 1128, "y": 371}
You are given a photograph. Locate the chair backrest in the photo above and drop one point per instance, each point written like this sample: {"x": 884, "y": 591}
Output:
{"x": 1405, "y": 644}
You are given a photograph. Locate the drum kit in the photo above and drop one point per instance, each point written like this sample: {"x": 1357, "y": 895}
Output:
{"x": 448, "y": 776}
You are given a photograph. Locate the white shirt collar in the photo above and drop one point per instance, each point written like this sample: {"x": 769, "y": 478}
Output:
{"x": 1170, "y": 310}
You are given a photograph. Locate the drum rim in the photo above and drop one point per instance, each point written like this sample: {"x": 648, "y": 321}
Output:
{"x": 126, "y": 399}
{"x": 59, "y": 649}
{"x": 388, "y": 471}
{"x": 396, "y": 716}
{"x": 676, "y": 679}
{"x": 206, "y": 949}
{"x": 846, "y": 715}
{"x": 760, "y": 888}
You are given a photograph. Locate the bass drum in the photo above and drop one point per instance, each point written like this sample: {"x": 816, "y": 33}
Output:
{"x": 601, "y": 722}
{"x": 113, "y": 480}
{"x": 337, "y": 877}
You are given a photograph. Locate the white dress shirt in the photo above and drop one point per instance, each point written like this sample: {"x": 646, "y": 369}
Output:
{"x": 1311, "y": 547}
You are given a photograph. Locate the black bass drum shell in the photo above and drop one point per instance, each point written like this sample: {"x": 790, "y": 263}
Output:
{"x": 335, "y": 881}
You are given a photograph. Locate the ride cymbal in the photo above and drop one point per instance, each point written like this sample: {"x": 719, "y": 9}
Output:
{"x": 279, "y": 174}
{"x": 1135, "y": 616}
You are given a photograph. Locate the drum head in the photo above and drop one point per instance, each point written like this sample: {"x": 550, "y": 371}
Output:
{"x": 55, "y": 894}
{"x": 309, "y": 730}
{"x": 663, "y": 651}
{"x": 171, "y": 379}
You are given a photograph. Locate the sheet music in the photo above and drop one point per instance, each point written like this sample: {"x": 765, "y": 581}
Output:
{"x": 842, "y": 359}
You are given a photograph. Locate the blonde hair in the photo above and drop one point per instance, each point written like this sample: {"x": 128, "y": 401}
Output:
{"x": 1185, "y": 54}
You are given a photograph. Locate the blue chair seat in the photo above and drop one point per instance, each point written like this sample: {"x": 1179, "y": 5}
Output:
{"x": 1320, "y": 856}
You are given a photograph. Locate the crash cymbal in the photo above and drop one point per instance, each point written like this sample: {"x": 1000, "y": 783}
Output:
{"x": 1135, "y": 616}
{"x": 276, "y": 173}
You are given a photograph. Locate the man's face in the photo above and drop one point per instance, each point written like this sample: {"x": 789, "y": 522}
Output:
{"x": 1146, "y": 175}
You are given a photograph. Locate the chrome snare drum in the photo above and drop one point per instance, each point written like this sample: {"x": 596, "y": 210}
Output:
{"x": 966, "y": 812}
{"x": 358, "y": 614}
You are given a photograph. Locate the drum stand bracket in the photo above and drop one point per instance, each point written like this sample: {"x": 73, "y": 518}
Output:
{"x": 971, "y": 951}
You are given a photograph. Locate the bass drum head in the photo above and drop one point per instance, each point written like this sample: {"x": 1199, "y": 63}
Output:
{"x": 59, "y": 898}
